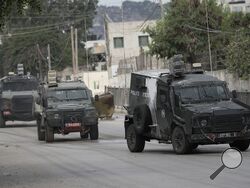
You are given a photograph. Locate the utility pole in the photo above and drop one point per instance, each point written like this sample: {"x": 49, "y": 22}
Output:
{"x": 87, "y": 53}
{"x": 73, "y": 49}
{"x": 124, "y": 50}
{"x": 40, "y": 64}
{"x": 76, "y": 52}
{"x": 49, "y": 57}
{"x": 162, "y": 9}
{"x": 208, "y": 38}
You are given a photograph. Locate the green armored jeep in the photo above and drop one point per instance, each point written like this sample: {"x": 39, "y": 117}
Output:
{"x": 65, "y": 108}
{"x": 17, "y": 98}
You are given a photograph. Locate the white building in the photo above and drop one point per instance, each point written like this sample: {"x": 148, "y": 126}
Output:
{"x": 237, "y": 5}
{"x": 125, "y": 40}
{"x": 95, "y": 81}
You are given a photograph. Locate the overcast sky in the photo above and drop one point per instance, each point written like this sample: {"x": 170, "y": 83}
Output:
{"x": 118, "y": 2}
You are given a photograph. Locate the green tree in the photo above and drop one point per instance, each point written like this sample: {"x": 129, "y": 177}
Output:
{"x": 50, "y": 26}
{"x": 7, "y": 6}
{"x": 184, "y": 30}
{"x": 238, "y": 51}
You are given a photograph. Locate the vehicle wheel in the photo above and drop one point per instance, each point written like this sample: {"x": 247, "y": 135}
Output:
{"x": 135, "y": 142}
{"x": 242, "y": 145}
{"x": 179, "y": 141}
{"x": 40, "y": 132}
{"x": 49, "y": 134}
{"x": 84, "y": 135}
{"x": 194, "y": 146}
{"x": 2, "y": 121}
{"x": 94, "y": 132}
{"x": 142, "y": 118}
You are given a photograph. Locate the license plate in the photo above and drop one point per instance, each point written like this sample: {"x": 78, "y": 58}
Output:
{"x": 226, "y": 135}
{"x": 73, "y": 124}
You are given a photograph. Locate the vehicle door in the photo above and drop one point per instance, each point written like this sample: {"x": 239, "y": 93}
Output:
{"x": 164, "y": 111}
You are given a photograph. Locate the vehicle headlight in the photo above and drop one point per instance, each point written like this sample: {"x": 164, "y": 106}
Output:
{"x": 203, "y": 123}
{"x": 6, "y": 105}
{"x": 90, "y": 113}
{"x": 57, "y": 116}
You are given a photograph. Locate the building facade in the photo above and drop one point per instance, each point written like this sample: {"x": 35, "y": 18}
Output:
{"x": 237, "y": 5}
{"x": 125, "y": 40}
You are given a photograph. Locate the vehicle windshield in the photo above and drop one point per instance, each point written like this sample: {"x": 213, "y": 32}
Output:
{"x": 67, "y": 95}
{"x": 20, "y": 86}
{"x": 202, "y": 93}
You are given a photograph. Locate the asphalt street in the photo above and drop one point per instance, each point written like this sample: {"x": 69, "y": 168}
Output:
{"x": 70, "y": 162}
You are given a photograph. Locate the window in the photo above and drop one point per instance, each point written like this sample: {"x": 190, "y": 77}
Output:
{"x": 247, "y": 9}
{"x": 68, "y": 77}
{"x": 118, "y": 42}
{"x": 96, "y": 85}
{"x": 143, "y": 41}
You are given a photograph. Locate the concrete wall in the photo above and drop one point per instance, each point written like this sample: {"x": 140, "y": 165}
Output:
{"x": 96, "y": 81}
{"x": 234, "y": 82}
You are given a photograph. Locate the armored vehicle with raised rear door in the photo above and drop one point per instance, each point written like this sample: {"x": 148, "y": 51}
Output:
{"x": 186, "y": 109}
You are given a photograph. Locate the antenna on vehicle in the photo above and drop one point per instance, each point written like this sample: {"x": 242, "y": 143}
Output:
{"x": 176, "y": 66}
{"x": 20, "y": 69}
{"x": 52, "y": 81}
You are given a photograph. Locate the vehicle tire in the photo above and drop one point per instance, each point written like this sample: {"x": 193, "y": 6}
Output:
{"x": 40, "y": 133}
{"x": 94, "y": 132}
{"x": 84, "y": 135}
{"x": 2, "y": 121}
{"x": 142, "y": 118}
{"x": 242, "y": 145}
{"x": 179, "y": 141}
{"x": 135, "y": 141}
{"x": 194, "y": 146}
{"x": 49, "y": 134}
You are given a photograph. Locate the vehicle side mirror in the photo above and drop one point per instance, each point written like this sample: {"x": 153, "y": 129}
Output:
{"x": 234, "y": 94}
{"x": 96, "y": 98}
{"x": 144, "y": 88}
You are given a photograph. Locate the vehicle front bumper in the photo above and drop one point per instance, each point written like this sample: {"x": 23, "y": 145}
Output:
{"x": 60, "y": 122}
{"x": 219, "y": 138}
{"x": 18, "y": 116}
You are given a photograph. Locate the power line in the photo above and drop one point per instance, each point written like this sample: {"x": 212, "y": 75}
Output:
{"x": 37, "y": 31}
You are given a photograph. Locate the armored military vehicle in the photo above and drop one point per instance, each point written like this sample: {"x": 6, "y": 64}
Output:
{"x": 17, "y": 98}
{"x": 66, "y": 107}
{"x": 185, "y": 109}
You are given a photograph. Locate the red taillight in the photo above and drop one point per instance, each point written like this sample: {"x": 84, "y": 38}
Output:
{"x": 6, "y": 113}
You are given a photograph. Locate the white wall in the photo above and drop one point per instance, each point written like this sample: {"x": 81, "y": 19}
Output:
{"x": 234, "y": 82}
{"x": 96, "y": 81}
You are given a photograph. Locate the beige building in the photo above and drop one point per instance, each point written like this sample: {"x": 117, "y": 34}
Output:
{"x": 237, "y": 5}
{"x": 125, "y": 40}
{"x": 95, "y": 80}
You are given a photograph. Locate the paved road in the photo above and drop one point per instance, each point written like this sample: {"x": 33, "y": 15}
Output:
{"x": 72, "y": 163}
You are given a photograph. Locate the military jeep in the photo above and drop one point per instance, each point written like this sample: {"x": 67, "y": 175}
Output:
{"x": 186, "y": 109}
{"x": 66, "y": 107}
{"x": 18, "y": 94}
